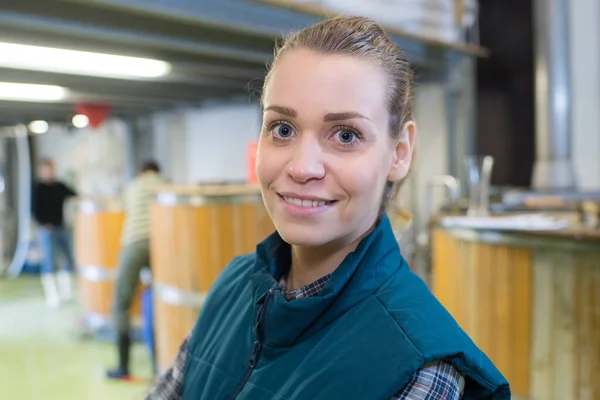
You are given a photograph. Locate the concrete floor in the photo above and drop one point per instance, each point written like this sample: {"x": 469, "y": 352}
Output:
{"x": 43, "y": 355}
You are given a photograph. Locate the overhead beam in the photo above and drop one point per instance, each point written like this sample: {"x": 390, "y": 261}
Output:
{"x": 24, "y": 112}
{"x": 62, "y": 106}
{"x": 118, "y": 87}
{"x": 274, "y": 17}
{"x": 135, "y": 101}
{"x": 130, "y": 37}
{"x": 203, "y": 69}
{"x": 232, "y": 15}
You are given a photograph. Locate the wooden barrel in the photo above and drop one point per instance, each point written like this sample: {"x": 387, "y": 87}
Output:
{"x": 98, "y": 227}
{"x": 530, "y": 301}
{"x": 195, "y": 233}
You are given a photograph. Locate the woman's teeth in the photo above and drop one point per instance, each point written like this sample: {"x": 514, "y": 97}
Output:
{"x": 306, "y": 203}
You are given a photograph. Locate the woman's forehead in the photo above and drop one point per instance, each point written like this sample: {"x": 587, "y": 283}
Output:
{"x": 305, "y": 80}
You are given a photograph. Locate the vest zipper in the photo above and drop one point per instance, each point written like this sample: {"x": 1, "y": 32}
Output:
{"x": 257, "y": 347}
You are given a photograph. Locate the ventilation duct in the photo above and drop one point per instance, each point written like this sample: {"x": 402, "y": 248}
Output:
{"x": 553, "y": 168}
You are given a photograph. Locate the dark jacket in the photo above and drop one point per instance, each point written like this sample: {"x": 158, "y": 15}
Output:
{"x": 47, "y": 202}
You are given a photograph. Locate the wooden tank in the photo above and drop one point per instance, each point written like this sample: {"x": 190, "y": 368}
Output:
{"x": 195, "y": 233}
{"x": 530, "y": 301}
{"x": 98, "y": 227}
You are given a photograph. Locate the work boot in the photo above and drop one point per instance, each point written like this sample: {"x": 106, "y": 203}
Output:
{"x": 123, "y": 345}
{"x": 65, "y": 285}
{"x": 50, "y": 290}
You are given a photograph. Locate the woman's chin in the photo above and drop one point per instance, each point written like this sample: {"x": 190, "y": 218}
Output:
{"x": 303, "y": 237}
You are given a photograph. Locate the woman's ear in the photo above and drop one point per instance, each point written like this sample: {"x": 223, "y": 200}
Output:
{"x": 403, "y": 152}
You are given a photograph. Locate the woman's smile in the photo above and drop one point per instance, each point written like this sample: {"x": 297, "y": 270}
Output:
{"x": 299, "y": 205}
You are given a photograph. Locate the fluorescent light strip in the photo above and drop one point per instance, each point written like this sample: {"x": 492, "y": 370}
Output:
{"x": 37, "y": 58}
{"x": 28, "y": 92}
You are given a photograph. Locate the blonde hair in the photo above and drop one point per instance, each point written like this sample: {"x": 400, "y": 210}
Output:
{"x": 363, "y": 38}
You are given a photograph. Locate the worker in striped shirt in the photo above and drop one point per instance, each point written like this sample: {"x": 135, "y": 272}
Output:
{"x": 135, "y": 255}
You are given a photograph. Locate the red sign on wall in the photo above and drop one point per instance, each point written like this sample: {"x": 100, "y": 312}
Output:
{"x": 251, "y": 162}
{"x": 97, "y": 113}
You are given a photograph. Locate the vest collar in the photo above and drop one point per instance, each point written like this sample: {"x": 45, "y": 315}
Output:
{"x": 361, "y": 273}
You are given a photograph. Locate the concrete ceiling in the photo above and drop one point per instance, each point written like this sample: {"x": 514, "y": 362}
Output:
{"x": 216, "y": 48}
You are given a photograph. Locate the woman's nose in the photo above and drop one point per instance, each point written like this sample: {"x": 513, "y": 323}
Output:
{"x": 306, "y": 163}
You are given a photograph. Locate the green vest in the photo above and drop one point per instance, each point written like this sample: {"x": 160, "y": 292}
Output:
{"x": 362, "y": 337}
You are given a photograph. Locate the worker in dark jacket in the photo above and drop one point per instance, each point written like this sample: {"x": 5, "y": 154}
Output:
{"x": 327, "y": 307}
{"x": 48, "y": 199}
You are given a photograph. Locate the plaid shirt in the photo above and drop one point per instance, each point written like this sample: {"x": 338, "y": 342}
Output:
{"x": 435, "y": 381}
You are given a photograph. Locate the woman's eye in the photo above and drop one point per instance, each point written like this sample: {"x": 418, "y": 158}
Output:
{"x": 283, "y": 130}
{"x": 346, "y": 137}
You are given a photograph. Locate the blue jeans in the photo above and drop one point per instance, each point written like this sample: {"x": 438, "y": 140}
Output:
{"x": 54, "y": 241}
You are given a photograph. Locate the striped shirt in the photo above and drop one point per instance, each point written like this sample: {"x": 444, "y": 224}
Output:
{"x": 136, "y": 199}
{"x": 434, "y": 381}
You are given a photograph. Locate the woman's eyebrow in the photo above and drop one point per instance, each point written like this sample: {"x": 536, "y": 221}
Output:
{"x": 329, "y": 117}
{"x": 343, "y": 116}
{"x": 289, "y": 112}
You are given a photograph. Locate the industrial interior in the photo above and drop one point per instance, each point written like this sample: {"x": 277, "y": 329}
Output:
{"x": 499, "y": 215}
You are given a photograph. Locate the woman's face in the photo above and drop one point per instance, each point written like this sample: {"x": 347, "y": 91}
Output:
{"x": 325, "y": 152}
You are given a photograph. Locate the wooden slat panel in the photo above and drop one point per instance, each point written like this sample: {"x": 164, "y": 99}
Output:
{"x": 159, "y": 251}
{"x": 520, "y": 337}
{"x": 566, "y": 334}
{"x": 458, "y": 280}
{"x": 503, "y": 320}
{"x": 580, "y": 317}
{"x": 564, "y": 325}
{"x": 98, "y": 238}
{"x": 191, "y": 244}
{"x": 180, "y": 321}
{"x": 587, "y": 311}
{"x": 543, "y": 333}
{"x": 487, "y": 289}
{"x": 485, "y": 313}
{"x": 594, "y": 331}
{"x": 443, "y": 270}
{"x": 204, "y": 271}
{"x": 537, "y": 313}
{"x": 472, "y": 294}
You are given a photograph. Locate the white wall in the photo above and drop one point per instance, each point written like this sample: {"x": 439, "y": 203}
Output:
{"x": 170, "y": 139}
{"x": 93, "y": 161}
{"x": 217, "y": 140}
{"x": 585, "y": 79}
{"x": 206, "y": 144}
{"x": 432, "y": 149}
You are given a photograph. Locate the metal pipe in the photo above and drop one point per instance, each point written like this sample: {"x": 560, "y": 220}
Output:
{"x": 24, "y": 208}
{"x": 553, "y": 167}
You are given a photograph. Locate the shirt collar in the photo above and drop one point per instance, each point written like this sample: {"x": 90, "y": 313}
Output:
{"x": 312, "y": 289}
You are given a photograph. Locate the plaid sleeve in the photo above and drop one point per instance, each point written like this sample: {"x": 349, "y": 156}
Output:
{"x": 170, "y": 385}
{"x": 435, "y": 381}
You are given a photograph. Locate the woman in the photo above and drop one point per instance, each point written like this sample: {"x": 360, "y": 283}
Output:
{"x": 327, "y": 307}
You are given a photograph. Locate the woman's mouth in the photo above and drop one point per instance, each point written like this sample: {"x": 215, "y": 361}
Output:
{"x": 308, "y": 203}
{"x": 303, "y": 205}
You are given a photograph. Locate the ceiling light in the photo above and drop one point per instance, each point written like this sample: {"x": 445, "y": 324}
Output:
{"x": 27, "y": 92}
{"x": 38, "y": 127}
{"x": 80, "y": 121}
{"x": 79, "y": 62}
